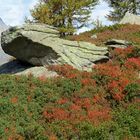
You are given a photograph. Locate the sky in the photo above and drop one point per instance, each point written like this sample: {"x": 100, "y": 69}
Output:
{"x": 13, "y": 12}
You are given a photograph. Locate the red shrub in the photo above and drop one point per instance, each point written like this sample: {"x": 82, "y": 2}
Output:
{"x": 14, "y": 100}
{"x": 71, "y": 75}
{"x": 63, "y": 70}
{"x": 6, "y": 130}
{"x": 107, "y": 69}
{"x": 84, "y": 103}
{"x": 100, "y": 88}
{"x": 75, "y": 107}
{"x": 118, "y": 96}
{"x": 86, "y": 74}
{"x": 133, "y": 63}
{"x": 119, "y": 53}
{"x": 99, "y": 115}
{"x": 42, "y": 78}
{"x": 88, "y": 82}
{"x": 56, "y": 114}
{"x": 96, "y": 99}
{"x": 53, "y": 137}
{"x": 62, "y": 101}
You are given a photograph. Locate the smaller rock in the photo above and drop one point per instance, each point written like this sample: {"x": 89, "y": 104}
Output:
{"x": 16, "y": 67}
{"x": 130, "y": 19}
{"x": 38, "y": 72}
{"x": 94, "y": 36}
{"x": 115, "y": 43}
{"x": 117, "y": 46}
{"x": 118, "y": 42}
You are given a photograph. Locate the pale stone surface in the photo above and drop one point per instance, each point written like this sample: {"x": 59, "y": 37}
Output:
{"x": 115, "y": 43}
{"x": 130, "y": 19}
{"x": 40, "y": 45}
{"x": 16, "y": 67}
{"x": 94, "y": 36}
{"x": 38, "y": 72}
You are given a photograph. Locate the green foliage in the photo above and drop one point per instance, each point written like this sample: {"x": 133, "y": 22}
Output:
{"x": 67, "y": 15}
{"x": 125, "y": 125}
{"x": 121, "y": 7}
{"x": 133, "y": 90}
{"x": 135, "y": 53}
{"x": 128, "y": 119}
{"x": 101, "y": 105}
{"x": 109, "y": 28}
{"x": 69, "y": 87}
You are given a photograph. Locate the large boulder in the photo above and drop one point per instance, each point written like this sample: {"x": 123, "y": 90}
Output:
{"x": 130, "y": 19}
{"x": 41, "y": 45}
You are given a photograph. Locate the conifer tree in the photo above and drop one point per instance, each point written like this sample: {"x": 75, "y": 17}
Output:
{"x": 121, "y": 7}
{"x": 67, "y": 15}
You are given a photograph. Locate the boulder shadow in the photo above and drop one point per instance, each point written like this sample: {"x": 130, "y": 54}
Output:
{"x": 14, "y": 67}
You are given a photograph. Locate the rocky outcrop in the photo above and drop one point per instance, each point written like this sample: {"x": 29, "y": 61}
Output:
{"x": 130, "y": 19}
{"x": 115, "y": 43}
{"x": 40, "y": 45}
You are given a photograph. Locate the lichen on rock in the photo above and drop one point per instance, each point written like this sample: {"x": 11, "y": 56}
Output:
{"x": 40, "y": 44}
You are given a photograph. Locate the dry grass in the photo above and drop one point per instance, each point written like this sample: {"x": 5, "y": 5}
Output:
{"x": 124, "y": 32}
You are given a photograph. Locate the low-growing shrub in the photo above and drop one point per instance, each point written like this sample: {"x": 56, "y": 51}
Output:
{"x": 124, "y": 32}
{"x": 101, "y": 105}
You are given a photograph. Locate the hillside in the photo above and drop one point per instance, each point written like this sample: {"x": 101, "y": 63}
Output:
{"x": 77, "y": 105}
{"x": 124, "y": 32}
{"x": 101, "y": 105}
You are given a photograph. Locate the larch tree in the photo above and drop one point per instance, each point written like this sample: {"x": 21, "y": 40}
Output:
{"x": 121, "y": 7}
{"x": 66, "y": 15}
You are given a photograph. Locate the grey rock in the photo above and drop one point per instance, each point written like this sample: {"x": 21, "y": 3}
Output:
{"x": 38, "y": 72}
{"x": 130, "y": 19}
{"x": 94, "y": 36}
{"x": 115, "y": 43}
{"x": 40, "y": 45}
{"x": 117, "y": 46}
{"x": 16, "y": 67}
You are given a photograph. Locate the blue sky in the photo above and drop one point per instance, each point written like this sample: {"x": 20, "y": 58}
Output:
{"x": 13, "y": 12}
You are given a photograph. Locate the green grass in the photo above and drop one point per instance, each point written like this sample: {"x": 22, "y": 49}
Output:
{"x": 22, "y": 101}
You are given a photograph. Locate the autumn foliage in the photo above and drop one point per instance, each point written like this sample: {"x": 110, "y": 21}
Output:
{"x": 99, "y": 105}
{"x": 117, "y": 31}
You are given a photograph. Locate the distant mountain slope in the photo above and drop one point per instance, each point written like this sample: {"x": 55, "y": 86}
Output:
{"x": 3, "y": 57}
{"x": 3, "y": 26}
